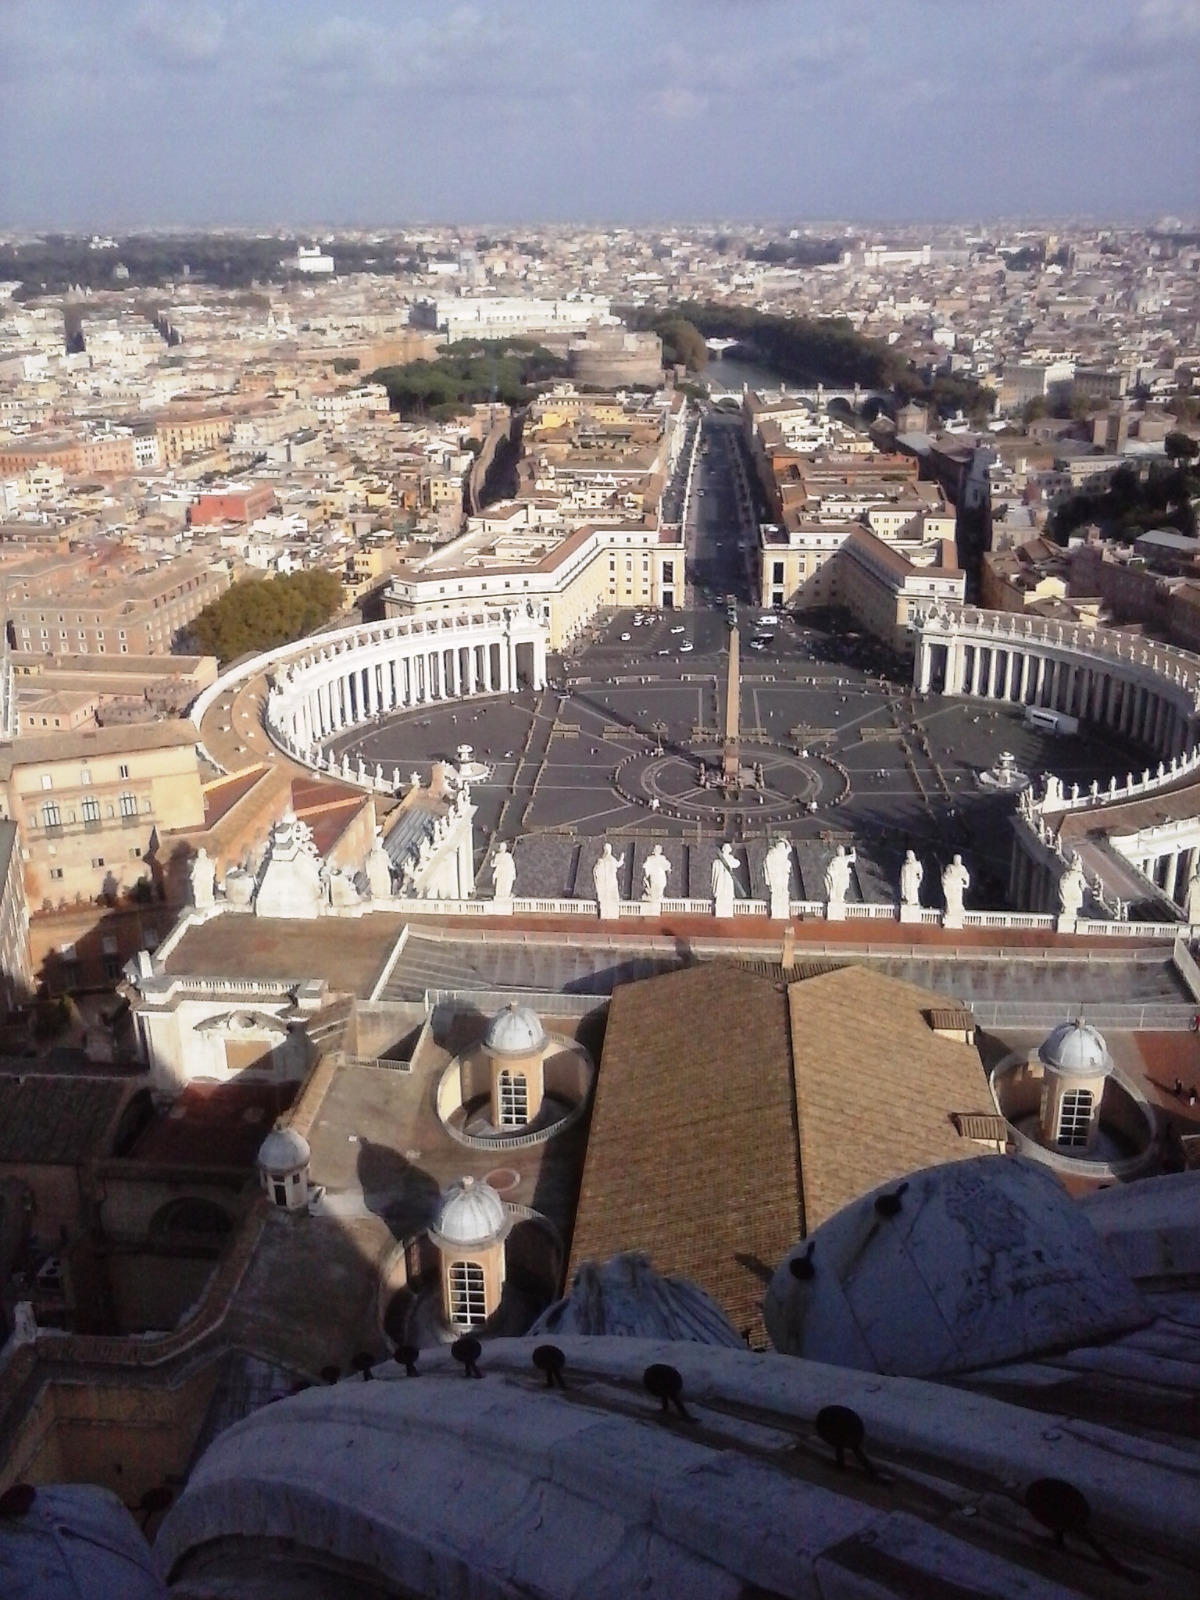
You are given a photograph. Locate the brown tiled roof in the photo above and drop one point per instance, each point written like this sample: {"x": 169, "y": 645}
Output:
{"x": 692, "y": 1154}
{"x": 875, "y": 1086}
{"x": 59, "y": 1121}
{"x": 275, "y": 947}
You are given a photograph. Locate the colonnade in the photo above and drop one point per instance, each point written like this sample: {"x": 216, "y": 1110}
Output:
{"x": 399, "y": 665}
{"x": 1146, "y": 694}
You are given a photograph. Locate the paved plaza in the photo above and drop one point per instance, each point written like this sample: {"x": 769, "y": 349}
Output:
{"x": 847, "y": 752}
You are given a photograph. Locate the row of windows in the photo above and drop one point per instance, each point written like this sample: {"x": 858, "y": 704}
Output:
{"x": 85, "y": 776}
{"x": 52, "y": 813}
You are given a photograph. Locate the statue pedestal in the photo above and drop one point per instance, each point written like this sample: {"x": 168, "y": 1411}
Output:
{"x": 610, "y": 910}
{"x": 501, "y": 908}
{"x": 835, "y": 911}
{"x": 952, "y": 919}
{"x": 1065, "y": 924}
{"x": 780, "y": 909}
{"x": 652, "y": 908}
{"x": 909, "y": 913}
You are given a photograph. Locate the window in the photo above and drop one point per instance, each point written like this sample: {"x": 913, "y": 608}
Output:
{"x": 129, "y": 805}
{"x": 777, "y": 572}
{"x": 123, "y": 770}
{"x": 85, "y": 777}
{"x": 514, "y": 1100}
{"x": 47, "y": 780}
{"x": 1074, "y": 1117}
{"x": 467, "y": 1306}
{"x": 97, "y": 861}
{"x": 56, "y": 874}
{"x": 90, "y": 809}
{"x": 51, "y": 815}
{"x": 668, "y": 572}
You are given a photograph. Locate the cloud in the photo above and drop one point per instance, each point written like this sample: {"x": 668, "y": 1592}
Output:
{"x": 178, "y": 33}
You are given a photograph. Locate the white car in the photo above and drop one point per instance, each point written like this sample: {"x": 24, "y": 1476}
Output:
{"x": 685, "y": 647}
{"x": 625, "y": 637}
{"x": 758, "y": 644}
{"x": 678, "y": 630}
{"x": 768, "y": 620}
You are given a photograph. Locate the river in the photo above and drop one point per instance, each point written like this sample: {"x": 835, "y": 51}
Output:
{"x": 725, "y": 372}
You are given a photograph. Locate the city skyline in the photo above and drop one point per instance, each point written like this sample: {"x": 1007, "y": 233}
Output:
{"x": 254, "y": 113}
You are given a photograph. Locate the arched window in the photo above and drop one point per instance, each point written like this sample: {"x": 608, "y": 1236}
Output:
{"x": 1074, "y": 1118}
{"x": 514, "y": 1100}
{"x": 467, "y": 1308}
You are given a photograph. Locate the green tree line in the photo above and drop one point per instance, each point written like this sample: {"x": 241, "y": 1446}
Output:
{"x": 811, "y": 350}
{"x": 1129, "y": 504}
{"x": 467, "y": 373}
{"x": 263, "y": 613}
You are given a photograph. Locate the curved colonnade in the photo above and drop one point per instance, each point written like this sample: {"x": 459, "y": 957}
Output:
{"x": 1143, "y": 691}
{"x": 324, "y": 685}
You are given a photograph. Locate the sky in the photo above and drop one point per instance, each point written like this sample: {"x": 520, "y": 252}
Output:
{"x": 124, "y": 113}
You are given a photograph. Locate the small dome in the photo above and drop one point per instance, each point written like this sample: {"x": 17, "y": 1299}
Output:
{"x": 284, "y": 1150}
{"x": 1075, "y": 1048}
{"x": 472, "y": 1213}
{"x": 515, "y": 1031}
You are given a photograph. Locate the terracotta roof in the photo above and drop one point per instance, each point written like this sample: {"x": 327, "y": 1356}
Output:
{"x": 276, "y": 948}
{"x": 875, "y": 1086}
{"x": 57, "y": 1121}
{"x": 692, "y": 1154}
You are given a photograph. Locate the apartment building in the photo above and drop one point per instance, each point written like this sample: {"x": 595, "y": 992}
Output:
{"x": 115, "y": 606}
{"x": 567, "y": 575}
{"x": 109, "y": 453}
{"x": 16, "y": 967}
{"x": 183, "y": 433}
{"x": 90, "y": 805}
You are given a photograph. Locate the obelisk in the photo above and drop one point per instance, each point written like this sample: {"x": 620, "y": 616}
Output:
{"x": 732, "y": 764}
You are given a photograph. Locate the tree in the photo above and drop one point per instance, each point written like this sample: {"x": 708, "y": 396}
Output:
{"x": 264, "y": 613}
{"x": 344, "y": 364}
{"x": 1180, "y": 447}
{"x": 683, "y": 344}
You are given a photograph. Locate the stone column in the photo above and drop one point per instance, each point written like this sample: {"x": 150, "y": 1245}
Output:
{"x": 1025, "y": 669}
{"x": 994, "y": 675}
{"x": 924, "y": 666}
{"x": 976, "y": 670}
{"x": 1172, "y": 883}
{"x": 488, "y": 685}
{"x": 455, "y": 674}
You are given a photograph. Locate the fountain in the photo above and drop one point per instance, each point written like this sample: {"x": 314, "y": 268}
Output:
{"x": 1005, "y": 777}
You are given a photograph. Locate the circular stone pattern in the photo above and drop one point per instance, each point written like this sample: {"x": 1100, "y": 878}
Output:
{"x": 791, "y": 784}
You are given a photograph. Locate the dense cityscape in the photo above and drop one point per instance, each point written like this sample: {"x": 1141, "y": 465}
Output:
{"x": 607, "y": 809}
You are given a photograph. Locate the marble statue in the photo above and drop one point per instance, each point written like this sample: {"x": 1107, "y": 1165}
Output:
{"x": 1192, "y": 901}
{"x": 1070, "y": 890}
{"x": 202, "y": 876}
{"x": 912, "y": 875}
{"x": 378, "y": 868}
{"x": 608, "y": 888}
{"x": 656, "y": 869}
{"x": 837, "y": 875}
{"x": 724, "y": 881}
{"x": 1054, "y": 791}
{"x": 339, "y": 889}
{"x": 777, "y": 872}
{"x": 956, "y": 880}
{"x": 504, "y": 873}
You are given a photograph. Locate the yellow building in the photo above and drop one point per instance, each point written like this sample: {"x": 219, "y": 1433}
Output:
{"x": 567, "y": 576}
{"x": 91, "y": 804}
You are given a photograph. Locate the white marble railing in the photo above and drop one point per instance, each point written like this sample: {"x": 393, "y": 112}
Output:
{"x": 927, "y": 916}
{"x": 1176, "y": 770}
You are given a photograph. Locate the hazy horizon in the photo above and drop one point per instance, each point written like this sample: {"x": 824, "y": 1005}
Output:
{"x": 384, "y": 114}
